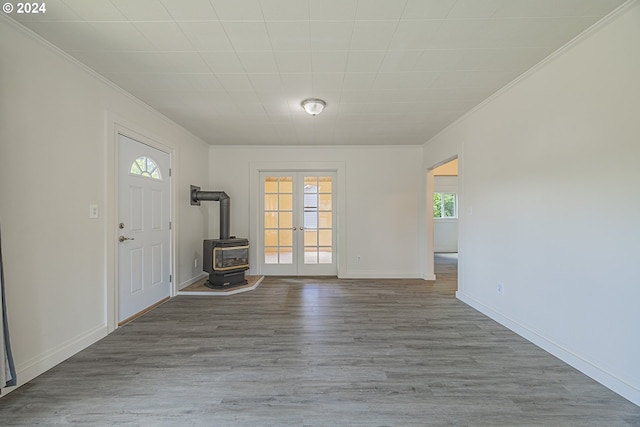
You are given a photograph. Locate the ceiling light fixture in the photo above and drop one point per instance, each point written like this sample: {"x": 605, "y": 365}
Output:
{"x": 313, "y": 106}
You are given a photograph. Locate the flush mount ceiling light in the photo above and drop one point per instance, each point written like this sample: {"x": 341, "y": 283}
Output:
{"x": 313, "y": 106}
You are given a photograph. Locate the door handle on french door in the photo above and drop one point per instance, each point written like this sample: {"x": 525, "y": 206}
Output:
{"x": 294, "y": 228}
{"x": 123, "y": 238}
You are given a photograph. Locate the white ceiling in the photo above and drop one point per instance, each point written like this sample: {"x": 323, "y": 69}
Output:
{"x": 391, "y": 71}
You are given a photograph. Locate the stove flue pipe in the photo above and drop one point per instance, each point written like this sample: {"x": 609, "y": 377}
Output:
{"x": 225, "y": 206}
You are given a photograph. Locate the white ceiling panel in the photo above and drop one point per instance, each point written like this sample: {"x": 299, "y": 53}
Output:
{"x": 119, "y": 36}
{"x": 206, "y": 36}
{"x": 372, "y": 35}
{"x": 427, "y": 9}
{"x": 142, "y": 10}
{"x": 234, "y": 10}
{"x": 333, "y": 10}
{"x": 285, "y": 10}
{"x": 252, "y": 36}
{"x": 258, "y": 62}
{"x": 372, "y": 10}
{"x": 289, "y": 35}
{"x": 329, "y": 62}
{"x": 95, "y": 10}
{"x": 165, "y": 36}
{"x": 293, "y": 62}
{"x": 235, "y": 82}
{"x": 223, "y": 62}
{"x": 182, "y": 10}
{"x": 391, "y": 71}
{"x": 330, "y": 35}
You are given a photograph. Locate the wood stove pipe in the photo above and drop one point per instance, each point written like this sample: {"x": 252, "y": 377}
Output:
{"x": 225, "y": 206}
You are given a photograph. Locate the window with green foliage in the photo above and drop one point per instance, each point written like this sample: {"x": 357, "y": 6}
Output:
{"x": 445, "y": 205}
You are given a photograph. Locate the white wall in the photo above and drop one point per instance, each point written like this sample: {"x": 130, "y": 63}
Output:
{"x": 57, "y": 131}
{"x": 550, "y": 171}
{"x": 445, "y": 230}
{"x": 384, "y": 201}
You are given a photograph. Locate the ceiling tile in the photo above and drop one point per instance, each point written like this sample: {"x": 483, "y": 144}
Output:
{"x": 235, "y": 82}
{"x": 182, "y": 10}
{"x": 142, "y": 10}
{"x": 358, "y": 82}
{"x": 334, "y": 62}
{"x": 248, "y": 35}
{"x": 293, "y": 62}
{"x": 289, "y": 35}
{"x": 427, "y": 9}
{"x": 330, "y": 35}
{"x": 372, "y": 35}
{"x": 333, "y": 10}
{"x": 258, "y": 62}
{"x": 327, "y": 83}
{"x": 380, "y": 9}
{"x": 206, "y": 35}
{"x": 475, "y": 9}
{"x": 285, "y": 10}
{"x": 400, "y": 61}
{"x": 414, "y": 34}
{"x": 223, "y": 62}
{"x": 297, "y": 84}
{"x": 95, "y": 10}
{"x": 266, "y": 83}
{"x": 364, "y": 61}
{"x": 166, "y": 36}
{"x": 234, "y": 10}
{"x": 118, "y": 36}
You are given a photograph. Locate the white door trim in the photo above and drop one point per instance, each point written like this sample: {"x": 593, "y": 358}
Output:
{"x": 116, "y": 125}
{"x": 302, "y": 166}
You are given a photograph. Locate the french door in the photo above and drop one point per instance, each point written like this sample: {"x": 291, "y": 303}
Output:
{"x": 297, "y": 223}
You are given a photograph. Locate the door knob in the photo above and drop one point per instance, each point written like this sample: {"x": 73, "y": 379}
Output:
{"x": 122, "y": 238}
{"x": 294, "y": 228}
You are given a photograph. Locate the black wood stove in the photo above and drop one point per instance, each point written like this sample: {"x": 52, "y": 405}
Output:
{"x": 225, "y": 261}
{"x": 227, "y": 258}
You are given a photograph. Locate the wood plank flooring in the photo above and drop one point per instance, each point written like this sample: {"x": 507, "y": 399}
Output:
{"x": 317, "y": 352}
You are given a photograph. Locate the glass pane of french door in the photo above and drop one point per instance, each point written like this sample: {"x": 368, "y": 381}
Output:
{"x": 317, "y": 220}
{"x": 278, "y": 220}
{"x": 298, "y": 223}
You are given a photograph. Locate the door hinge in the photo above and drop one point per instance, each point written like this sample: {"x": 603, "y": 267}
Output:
{"x": 169, "y": 171}
{"x": 170, "y": 278}
{"x": 169, "y": 225}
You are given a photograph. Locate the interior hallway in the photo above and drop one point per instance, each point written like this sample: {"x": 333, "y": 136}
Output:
{"x": 316, "y": 352}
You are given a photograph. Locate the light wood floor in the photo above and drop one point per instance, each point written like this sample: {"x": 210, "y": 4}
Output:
{"x": 317, "y": 352}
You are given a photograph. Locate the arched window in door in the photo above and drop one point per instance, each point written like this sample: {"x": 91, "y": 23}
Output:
{"x": 145, "y": 166}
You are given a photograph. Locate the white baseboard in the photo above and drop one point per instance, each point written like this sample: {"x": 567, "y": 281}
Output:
{"x": 588, "y": 368}
{"x": 30, "y": 369}
{"x": 370, "y": 275}
{"x": 192, "y": 280}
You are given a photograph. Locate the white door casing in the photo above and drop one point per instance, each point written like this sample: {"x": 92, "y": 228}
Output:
{"x": 144, "y": 264}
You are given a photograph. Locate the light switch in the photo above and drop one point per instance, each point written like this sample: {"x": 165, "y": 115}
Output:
{"x": 93, "y": 211}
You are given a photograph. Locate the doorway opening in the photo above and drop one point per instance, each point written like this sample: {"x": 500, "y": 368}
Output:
{"x": 443, "y": 199}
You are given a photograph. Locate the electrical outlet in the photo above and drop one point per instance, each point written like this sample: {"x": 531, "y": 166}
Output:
{"x": 500, "y": 288}
{"x": 93, "y": 211}
{"x": 358, "y": 259}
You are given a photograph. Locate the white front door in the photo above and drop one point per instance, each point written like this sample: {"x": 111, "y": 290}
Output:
{"x": 298, "y": 225}
{"x": 144, "y": 228}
